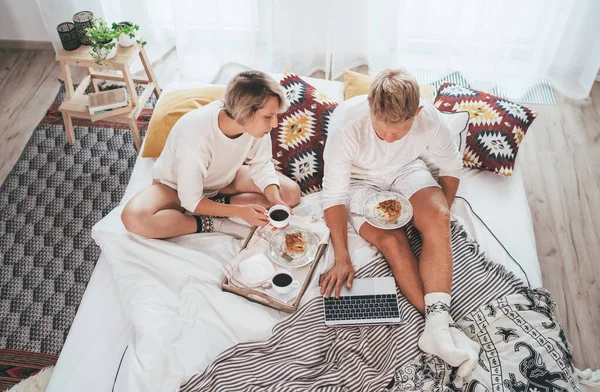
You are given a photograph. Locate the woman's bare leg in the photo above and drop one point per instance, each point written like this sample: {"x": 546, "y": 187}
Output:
{"x": 243, "y": 190}
{"x": 156, "y": 212}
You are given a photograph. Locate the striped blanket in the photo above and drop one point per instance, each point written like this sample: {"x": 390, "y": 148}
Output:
{"x": 489, "y": 302}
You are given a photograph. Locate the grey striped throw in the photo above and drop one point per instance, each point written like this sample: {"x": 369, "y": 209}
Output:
{"x": 305, "y": 355}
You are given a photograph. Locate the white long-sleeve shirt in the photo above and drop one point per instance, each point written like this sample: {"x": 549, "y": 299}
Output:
{"x": 198, "y": 159}
{"x": 353, "y": 147}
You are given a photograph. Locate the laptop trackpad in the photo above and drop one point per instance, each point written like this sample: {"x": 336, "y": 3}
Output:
{"x": 370, "y": 286}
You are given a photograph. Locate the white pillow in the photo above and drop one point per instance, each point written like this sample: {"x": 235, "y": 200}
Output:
{"x": 332, "y": 88}
{"x": 459, "y": 123}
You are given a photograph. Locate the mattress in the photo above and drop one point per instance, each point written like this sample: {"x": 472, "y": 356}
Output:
{"x": 95, "y": 357}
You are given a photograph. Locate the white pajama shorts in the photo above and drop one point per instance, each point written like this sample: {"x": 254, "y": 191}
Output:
{"x": 407, "y": 181}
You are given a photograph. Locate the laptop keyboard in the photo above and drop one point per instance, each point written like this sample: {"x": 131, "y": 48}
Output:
{"x": 361, "y": 307}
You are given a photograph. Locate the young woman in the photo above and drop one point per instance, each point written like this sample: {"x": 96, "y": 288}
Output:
{"x": 216, "y": 163}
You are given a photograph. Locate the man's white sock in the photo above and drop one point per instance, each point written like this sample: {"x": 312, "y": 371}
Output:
{"x": 464, "y": 343}
{"x": 436, "y": 339}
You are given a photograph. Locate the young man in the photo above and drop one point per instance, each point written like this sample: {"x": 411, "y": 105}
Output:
{"x": 374, "y": 144}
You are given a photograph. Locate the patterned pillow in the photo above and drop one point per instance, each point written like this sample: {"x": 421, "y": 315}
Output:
{"x": 496, "y": 127}
{"x": 299, "y": 139}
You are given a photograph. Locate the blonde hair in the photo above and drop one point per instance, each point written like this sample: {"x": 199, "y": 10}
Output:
{"x": 248, "y": 92}
{"x": 394, "y": 96}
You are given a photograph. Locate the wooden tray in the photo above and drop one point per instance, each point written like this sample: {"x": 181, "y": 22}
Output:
{"x": 265, "y": 299}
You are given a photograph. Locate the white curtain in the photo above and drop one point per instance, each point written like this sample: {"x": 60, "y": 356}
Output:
{"x": 508, "y": 43}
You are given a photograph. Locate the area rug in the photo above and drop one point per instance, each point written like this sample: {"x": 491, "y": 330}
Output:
{"x": 51, "y": 199}
{"x": 16, "y": 366}
{"x": 37, "y": 383}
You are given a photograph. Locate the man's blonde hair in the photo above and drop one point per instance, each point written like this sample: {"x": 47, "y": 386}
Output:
{"x": 248, "y": 92}
{"x": 394, "y": 96}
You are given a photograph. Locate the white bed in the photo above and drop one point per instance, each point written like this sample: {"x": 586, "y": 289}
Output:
{"x": 95, "y": 357}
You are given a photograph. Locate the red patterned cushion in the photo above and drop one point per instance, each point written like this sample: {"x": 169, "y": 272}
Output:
{"x": 300, "y": 137}
{"x": 496, "y": 127}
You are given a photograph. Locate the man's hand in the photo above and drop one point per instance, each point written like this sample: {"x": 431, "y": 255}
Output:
{"x": 254, "y": 214}
{"x": 449, "y": 187}
{"x": 342, "y": 271}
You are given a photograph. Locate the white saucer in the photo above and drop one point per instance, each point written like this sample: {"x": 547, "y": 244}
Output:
{"x": 256, "y": 269}
{"x": 283, "y": 297}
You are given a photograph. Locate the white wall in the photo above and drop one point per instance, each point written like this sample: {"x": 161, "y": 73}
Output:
{"x": 21, "y": 20}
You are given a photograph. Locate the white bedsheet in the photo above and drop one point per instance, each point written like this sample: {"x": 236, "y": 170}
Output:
{"x": 100, "y": 332}
{"x": 170, "y": 296}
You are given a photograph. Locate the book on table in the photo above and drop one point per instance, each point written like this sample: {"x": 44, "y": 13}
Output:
{"x": 107, "y": 101}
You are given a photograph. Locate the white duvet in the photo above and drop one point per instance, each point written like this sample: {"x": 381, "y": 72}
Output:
{"x": 171, "y": 293}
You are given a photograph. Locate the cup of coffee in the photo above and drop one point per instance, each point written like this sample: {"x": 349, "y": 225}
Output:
{"x": 283, "y": 282}
{"x": 279, "y": 216}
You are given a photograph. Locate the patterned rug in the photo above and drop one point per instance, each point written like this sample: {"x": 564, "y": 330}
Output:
{"x": 51, "y": 199}
{"x": 16, "y": 366}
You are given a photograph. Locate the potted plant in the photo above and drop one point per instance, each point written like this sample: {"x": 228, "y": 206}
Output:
{"x": 127, "y": 33}
{"x": 103, "y": 40}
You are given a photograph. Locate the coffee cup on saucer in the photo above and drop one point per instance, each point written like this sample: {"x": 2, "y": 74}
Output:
{"x": 283, "y": 282}
{"x": 279, "y": 216}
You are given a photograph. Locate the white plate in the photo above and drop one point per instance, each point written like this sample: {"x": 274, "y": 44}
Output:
{"x": 376, "y": 218}
{"x": 299, "y": 260}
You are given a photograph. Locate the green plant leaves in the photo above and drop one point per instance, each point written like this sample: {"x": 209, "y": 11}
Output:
{"x": 101, "y": 36}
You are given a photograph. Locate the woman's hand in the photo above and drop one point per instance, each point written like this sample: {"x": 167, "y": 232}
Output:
{"x": 254, "y": 214}
{"x": 281, "y": 203}
{"x": 274, "y": 197}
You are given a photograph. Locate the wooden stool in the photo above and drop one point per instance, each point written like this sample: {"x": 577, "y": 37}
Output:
{"x": 76, "y": 104}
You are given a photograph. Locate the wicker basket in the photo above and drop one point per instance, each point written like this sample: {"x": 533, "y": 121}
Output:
{"x": 82, "y": 21}
{"x": 68, "y": 36}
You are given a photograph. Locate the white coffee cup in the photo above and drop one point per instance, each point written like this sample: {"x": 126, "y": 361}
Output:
{"x": 283, "y": 281}
{"x": 279, "y": 209}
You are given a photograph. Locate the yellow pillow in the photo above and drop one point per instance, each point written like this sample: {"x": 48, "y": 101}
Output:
{"x": 172, "y": 106}
{"x": 358, "y": 84}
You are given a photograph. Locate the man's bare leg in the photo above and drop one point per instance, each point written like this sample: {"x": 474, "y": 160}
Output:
{"x": 394, "y": 246}
{"x": 432, "y": 219}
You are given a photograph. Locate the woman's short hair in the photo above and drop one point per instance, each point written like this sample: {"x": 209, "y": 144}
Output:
{"x": 248, "y": 92}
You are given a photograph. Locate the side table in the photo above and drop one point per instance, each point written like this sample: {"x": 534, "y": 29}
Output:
{"x": 76, "y": 104}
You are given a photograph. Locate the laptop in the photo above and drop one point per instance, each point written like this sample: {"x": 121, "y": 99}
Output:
{"x": 370, "y": 301}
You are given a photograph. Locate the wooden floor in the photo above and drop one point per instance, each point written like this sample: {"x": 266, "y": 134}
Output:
{"x": 560, "y": 158}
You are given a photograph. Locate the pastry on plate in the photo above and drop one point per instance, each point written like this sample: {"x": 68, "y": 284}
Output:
{"x": 294, "y": 243}
{"x": 390, "y": 209}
